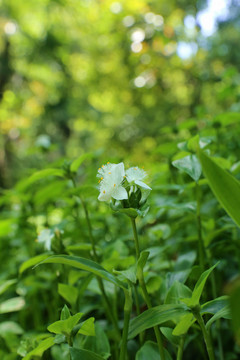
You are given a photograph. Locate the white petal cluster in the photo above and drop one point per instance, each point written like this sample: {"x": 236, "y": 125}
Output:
{"x": 112, "y": 180}
{"x": 45, "y": 237}
{"x": 136, "y": 175}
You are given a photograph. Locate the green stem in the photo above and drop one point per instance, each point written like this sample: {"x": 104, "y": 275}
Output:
{"x": 201, "y": 250}
{"x": 180, "y": 348}
{"x": 127, "y": 314}
{"x": 145, "y": 292}
{"x": 135, "y": 237}
{"x": 206, "y": 334}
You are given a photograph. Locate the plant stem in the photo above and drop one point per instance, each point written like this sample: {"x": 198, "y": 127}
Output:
{"x": 206, "y": 334}
{"x": 135, "y": 238}
{"x": 127, "y": 313}
{"x": 180, "y": 348}
{"x": 201, "y": 250}
{"x": 145, "y": 292}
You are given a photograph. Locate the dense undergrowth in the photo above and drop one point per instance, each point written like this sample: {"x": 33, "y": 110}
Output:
{"x": 154, "y": 275}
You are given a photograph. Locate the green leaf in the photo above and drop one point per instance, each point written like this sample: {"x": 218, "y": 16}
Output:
{"x": 65, "y": 326}
{"x": 129, "y": 274}
{"x": 77, "y": 354}
{"x": 65, "y": 313}
{"x": 184, "y": 324}
{"x": 213, "y": 306}
{"x": 84, "y": 264}
{"x": 150, "y": 351}
{"x": 167, "y": 332}
{"x": 156, "y": 316}
{"x": 68, "y": 292}
{"x": 99, "y": 343}
{"x": 223, "y": 313}
{"x": 176, "y": 292}
{"x": 31, "y": 262}
{"x": 198, "y": 289}
{"x": 224, "y": 186}
{"x": 4, "y": 285}
{"x": 39, "y": 350}
{"x": 142, "y": 262}
{"x": 39, "y": 175}
{"x": 77, "y": 162}
{"x": 189, "y": 164}
{"x": 10, "y": 327}
{"x": 11, "y": 305}
{"x": 87, "y": 327}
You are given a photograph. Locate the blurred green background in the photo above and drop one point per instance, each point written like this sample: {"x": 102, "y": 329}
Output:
{"x": 126, "y": 78}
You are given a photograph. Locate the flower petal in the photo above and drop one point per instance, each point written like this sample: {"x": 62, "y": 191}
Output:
{"x": 104, "y": 196}
{"x": 142, "y": 184}
{"x": 120, "y": 193}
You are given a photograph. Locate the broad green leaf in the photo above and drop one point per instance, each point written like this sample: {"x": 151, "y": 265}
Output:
{"x": 176, "y": 292}
{"x": 184, "y": 324}
{"x": 156, "y": 316}
{"x": 10, "y": 327}
{"x": 65, "y": 326}
{"x": 223, "y": 313}
{"x": 39, "y": 175}
{"x": 129, "y": 274}
{"x": 167, "y": 332}
{"x": 235, "y": 308}
{"x": 31, "y": 262}
{"x": 84, "y": 264}
{"x": 224, "y": 186}
{"x": 99, "y": 344}
{"x": 132, "y": 213}
{"x": 4, "y": 285}
{"x": 189, "y": 164}
{"x": 150, "y": 351}
{"x": 39, "y": 350}
{"x": 11, "y": 305}
{"x": 77, "y": 162}
{"x": 213, "y": 306}
{"x": 68, "y": 292}
{"x": 65, "y": 313}
{"x": 77, "y": 354}
{"x": 87, "y": 327}
{"x": 198, "y": 289}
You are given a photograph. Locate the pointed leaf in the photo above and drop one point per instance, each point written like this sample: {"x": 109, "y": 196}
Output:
{"x": 198, "y": 289}
{"x": 223, "y": 313}
{"x": 77, "y": 162}
{"x": 87, "y": 327}
{"x": 224, "y": 186}
{"x": 33, "y": 261}
{"x": 156, "y": 316}
{"x": 184, "y": 324}
{"x": 39, "y": 350}
{"x": 77, "y": 354}
{"x": 189, "y": 164}
{"x": 65, "y": 313}
{"x": 84, "y": 264}
{"x": 65, "y": 326}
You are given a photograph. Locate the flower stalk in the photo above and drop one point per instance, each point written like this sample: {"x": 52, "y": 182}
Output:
{"x": 145, "y": 292}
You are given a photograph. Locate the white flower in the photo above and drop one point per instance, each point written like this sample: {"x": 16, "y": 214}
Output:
{"x": 136, "y": 175}
{"x": 45, "y": 237}
{"x": 111, "y": 178}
